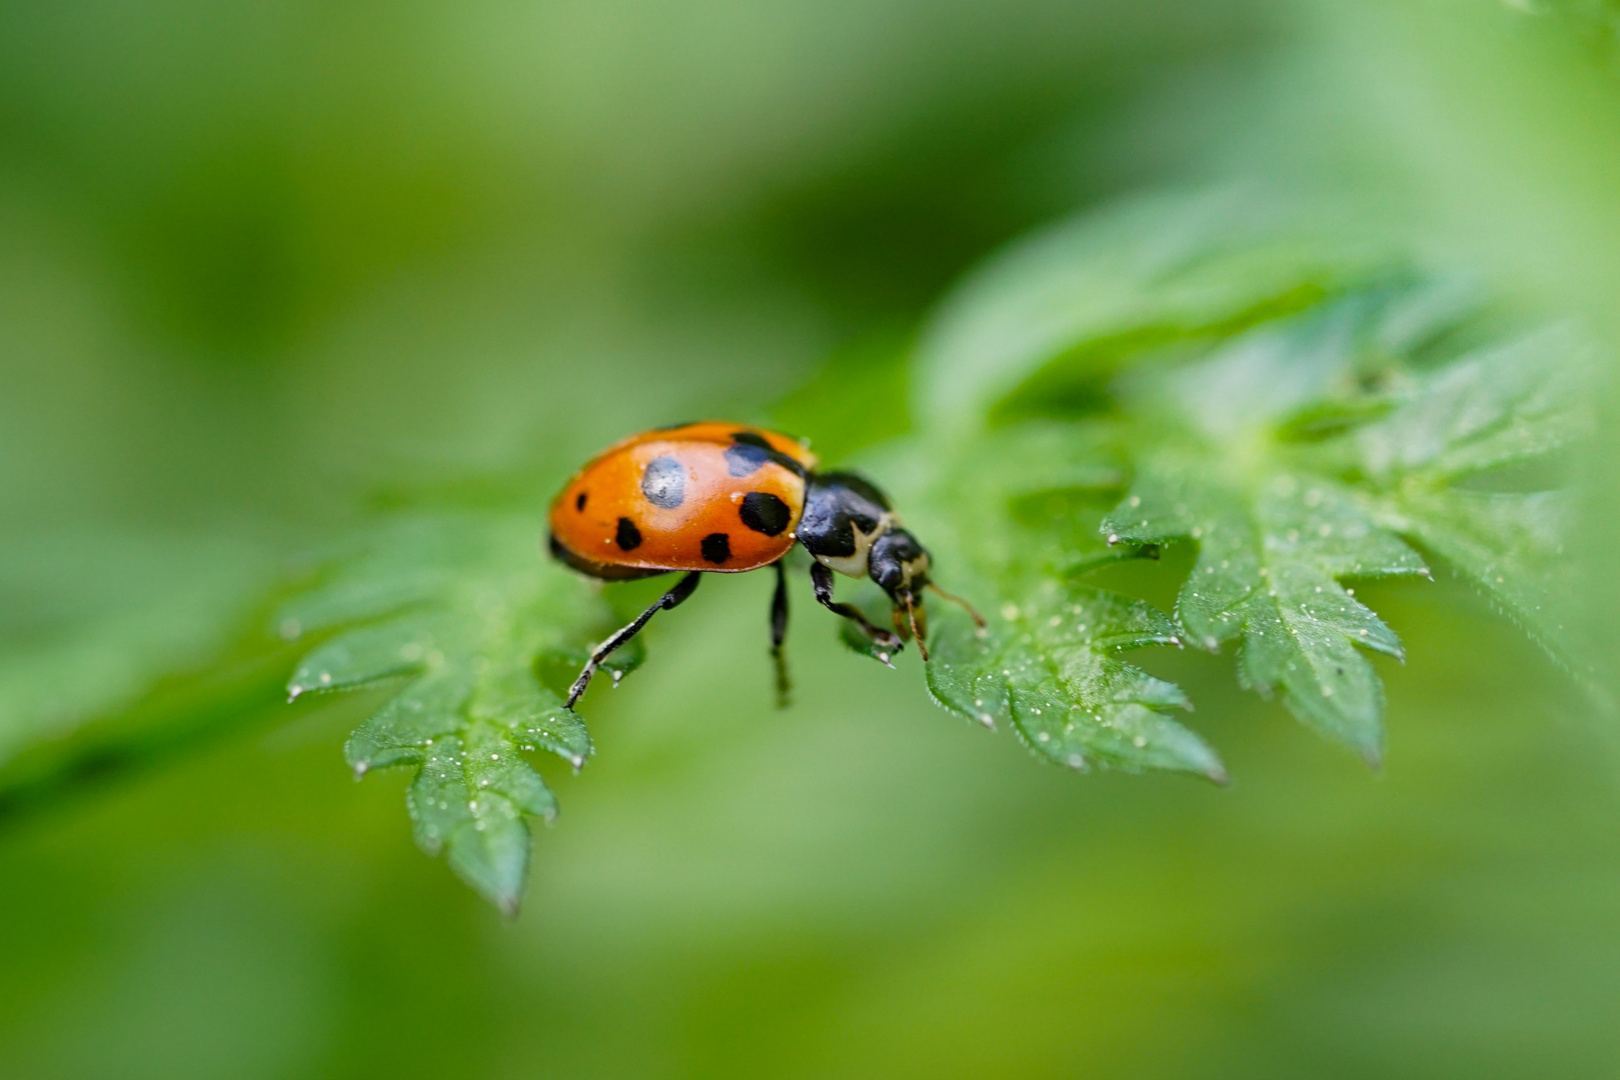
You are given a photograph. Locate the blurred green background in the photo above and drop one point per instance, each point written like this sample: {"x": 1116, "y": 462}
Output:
{"x": 266, "y": 264}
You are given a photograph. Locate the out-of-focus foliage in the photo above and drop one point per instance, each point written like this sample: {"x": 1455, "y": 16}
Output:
{"x": 280, "y": 283}
{"x": 99, "y": 615}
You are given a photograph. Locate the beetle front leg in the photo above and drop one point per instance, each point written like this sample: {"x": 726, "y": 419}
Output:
{"x": 822, "y": 578}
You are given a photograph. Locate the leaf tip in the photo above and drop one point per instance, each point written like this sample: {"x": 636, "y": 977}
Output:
{"x": 361, "y": 767}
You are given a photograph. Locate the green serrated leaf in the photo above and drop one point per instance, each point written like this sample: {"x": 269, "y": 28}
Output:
{"x": 469, "y": 800}
{"x": 1299, "y": 445}
{"x": 372, "y": 653}
{"x": 513, "y": 700}
{"x": 402, "y": 730}
{"x": 480, "y": 635}
{"x": 1047, "y": 666}
{"x": 1280, "y": 525}
{"x": 1270, "y": 557}
{"x": 1009, "y": 515}
{"x": 1503, "y": 405}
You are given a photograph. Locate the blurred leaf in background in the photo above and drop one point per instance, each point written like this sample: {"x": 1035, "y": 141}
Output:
{"x": 280, "y": 276}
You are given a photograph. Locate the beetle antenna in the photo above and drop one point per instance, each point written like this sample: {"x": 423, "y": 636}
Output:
{"x": 978, "y": 620}
{"x": 916, "y": 632}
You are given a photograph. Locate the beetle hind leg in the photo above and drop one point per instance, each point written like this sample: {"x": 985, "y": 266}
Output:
{"x": 683, "y": 588}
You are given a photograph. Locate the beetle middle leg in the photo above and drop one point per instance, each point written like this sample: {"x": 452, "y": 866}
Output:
{"x": 822, "y": 578}
{"x": 779, "y": 622}
{"x": 683, "y": 588}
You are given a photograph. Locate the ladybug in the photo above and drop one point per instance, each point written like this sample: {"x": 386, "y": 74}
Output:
{"x": 722, "y": 498}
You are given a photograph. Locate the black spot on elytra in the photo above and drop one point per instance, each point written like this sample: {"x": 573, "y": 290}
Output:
{"x": 664, "y": 482}
{"x": 717, "y": 548}
{"x": 754, "y": 449}
{"x": 579, "y": 501}
{"x": 628, "y": 536}
{"x": 765, "y": 513}
{"x": 745, "y": 458}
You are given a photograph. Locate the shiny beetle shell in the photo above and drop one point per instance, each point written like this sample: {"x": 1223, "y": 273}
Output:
{"x": 707, "y": 496}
